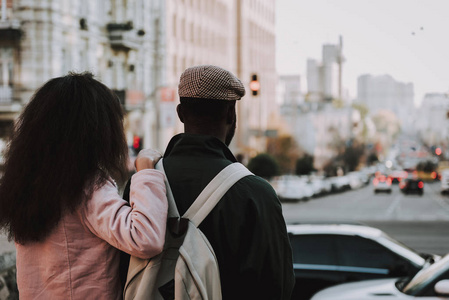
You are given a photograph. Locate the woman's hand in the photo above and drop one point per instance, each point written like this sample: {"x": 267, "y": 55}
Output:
{"x": 147, "y": 159}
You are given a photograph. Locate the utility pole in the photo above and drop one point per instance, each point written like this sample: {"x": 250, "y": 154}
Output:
{"x": 240, "y": 132}
{"x": 340, "y": 60}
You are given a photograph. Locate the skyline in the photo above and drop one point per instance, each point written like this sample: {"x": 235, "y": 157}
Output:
{"x": 405, "y": 39}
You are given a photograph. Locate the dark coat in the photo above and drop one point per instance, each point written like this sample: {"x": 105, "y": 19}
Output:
{"x": 246, "y": 229}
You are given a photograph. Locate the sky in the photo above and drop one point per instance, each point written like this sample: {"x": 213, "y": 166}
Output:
{"x": 407, "y": 39}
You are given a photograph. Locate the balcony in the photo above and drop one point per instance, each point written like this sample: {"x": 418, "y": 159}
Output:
{"x": 9, "y": 27}
{"x": 122, "y": 36}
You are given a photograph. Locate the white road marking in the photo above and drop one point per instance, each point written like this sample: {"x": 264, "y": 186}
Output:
{"x": 394, "y": 205}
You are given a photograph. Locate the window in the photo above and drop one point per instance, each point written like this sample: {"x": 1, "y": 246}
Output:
{"x": 314, "y": 249}
{"x": 360, "y": 252}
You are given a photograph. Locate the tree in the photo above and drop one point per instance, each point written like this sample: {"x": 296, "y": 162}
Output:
{"x": 285, "y": 151}
{"x": 264, "y": 165}
{"x": 304, "y": 165}
{"x": 372, "y": 158}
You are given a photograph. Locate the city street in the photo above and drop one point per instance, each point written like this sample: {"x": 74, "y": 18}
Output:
{"x": 420, "y": 222}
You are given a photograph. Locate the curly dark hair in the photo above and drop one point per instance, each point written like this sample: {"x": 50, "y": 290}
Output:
{"x": 68, "y": 141}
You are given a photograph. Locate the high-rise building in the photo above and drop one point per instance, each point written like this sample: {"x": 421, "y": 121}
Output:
{"x": 384, "y": 92}
{"x": 234, "y": 34}
{"x": 324, "y": 79}
{"x": 139, "y": 49}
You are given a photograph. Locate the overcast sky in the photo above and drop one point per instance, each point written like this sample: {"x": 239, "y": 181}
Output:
{"x": 407, "y": 39}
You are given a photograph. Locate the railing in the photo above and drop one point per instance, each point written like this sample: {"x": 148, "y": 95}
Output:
{"x": 122, "y": 35}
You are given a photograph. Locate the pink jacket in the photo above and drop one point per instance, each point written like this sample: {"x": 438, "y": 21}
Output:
{"x": 80, "y": 260}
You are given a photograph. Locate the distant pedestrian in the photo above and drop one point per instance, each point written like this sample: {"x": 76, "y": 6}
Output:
{"x": 59, "y": 198}
{"x": 246, "y": 229}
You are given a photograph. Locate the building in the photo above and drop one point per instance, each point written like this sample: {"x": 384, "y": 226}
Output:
{"x": 139, "y": 49}
{"x": 432, "y": 121}
{"x": 324, "y": 79}
{"x": 40, "y": 40}
{"x": 234, "y": 34}
{"x": 384, "y": 92}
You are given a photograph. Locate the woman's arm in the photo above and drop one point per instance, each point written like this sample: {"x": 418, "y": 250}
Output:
{"x": 137, "y": 228}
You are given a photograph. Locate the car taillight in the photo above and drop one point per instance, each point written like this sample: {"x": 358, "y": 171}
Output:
{"x": 389, "y": 181}
{"x": 420, "y": 184}
{"x": 375, "y": 181}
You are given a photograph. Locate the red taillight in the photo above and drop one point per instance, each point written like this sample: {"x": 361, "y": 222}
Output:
{"x": 389, "y": 181}
{"x": 420, "y": 184}
{"x": 375, "y": 181}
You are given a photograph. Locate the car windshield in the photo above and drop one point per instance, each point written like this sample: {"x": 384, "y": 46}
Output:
{"x": 426, "y": 276}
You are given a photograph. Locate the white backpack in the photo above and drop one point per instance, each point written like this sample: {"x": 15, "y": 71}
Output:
{"x": 187, "y": 268}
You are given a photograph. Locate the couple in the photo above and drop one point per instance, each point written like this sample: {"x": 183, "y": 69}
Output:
{"x": 59, "y": 199}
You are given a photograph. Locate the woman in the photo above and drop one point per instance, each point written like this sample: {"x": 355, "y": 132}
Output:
{"x": 59, "y": 201}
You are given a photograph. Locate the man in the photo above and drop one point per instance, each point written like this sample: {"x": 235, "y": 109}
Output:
{"x": 246, "y": 229}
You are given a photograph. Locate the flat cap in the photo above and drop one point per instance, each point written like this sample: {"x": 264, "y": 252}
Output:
{"x": 210, "y": 82}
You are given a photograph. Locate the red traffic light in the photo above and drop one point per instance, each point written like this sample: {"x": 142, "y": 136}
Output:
{"x": 438, "y": 151}
{"x": 254, "y": 85}
{"x": 137, "y": 143}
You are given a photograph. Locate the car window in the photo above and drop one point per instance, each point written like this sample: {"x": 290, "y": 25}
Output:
{"x": 360, "y": 252}
{"x": 313, "y": 249}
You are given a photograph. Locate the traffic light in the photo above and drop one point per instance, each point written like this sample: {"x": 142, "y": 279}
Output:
{"x": 254, "y": 85}
{"x": 137, "y": 144}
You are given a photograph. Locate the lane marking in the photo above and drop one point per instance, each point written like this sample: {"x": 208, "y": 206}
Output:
{"x": 393, "y": 206}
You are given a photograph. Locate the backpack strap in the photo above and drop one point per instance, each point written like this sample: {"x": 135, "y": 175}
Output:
{"x": 214, "y": 191}
{"x": 172, "y": 209}
{"x": 211, "y": 194}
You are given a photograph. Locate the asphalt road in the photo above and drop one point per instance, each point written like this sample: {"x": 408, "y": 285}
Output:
{"x": 420, "y": 222}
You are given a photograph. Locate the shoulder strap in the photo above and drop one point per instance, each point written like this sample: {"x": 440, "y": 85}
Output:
{"x": 172, "y": 209}
{"x": 214, "y": 191}
{"x": 211, "y": 194}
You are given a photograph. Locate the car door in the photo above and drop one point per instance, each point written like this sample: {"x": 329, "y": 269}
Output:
{"x": 315, "y": 263}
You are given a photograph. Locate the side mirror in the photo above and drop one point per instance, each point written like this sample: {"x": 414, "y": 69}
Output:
{"x": 442, "y": 287}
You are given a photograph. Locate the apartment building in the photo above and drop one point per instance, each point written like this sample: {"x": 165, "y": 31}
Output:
{"x": 139, "y": 49}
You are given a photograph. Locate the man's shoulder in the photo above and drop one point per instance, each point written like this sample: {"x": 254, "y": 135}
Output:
{"x": 254, "y": 185}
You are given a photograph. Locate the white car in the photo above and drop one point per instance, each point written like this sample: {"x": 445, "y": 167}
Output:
{"x": 431, "y": 283}
{"x": 444, "y": 181}
{"x": 326, "y": 254}
{"x": 291, "y": 188}
{"x": 382, "y": 183}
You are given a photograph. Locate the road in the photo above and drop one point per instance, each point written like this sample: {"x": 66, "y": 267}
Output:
{"x": 420, "y": 222}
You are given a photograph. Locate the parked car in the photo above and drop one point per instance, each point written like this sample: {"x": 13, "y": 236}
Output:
{"x": 412, "y": 186}
{"x": 329, "y": 254}
{"x": 382, "y": 183}
{"x": 444, "y": 177}
{"x": 291, "y": 188}
{"x": 432, "y": 282}
{"x": 340, "y": 183}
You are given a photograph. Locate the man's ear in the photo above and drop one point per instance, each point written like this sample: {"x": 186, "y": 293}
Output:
{"x": 231, "y": 114}
{"x": 180, "y": 113}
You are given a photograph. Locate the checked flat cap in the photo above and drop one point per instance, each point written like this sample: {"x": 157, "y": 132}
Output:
{"x": 210, "y": 82}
